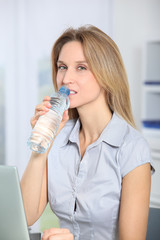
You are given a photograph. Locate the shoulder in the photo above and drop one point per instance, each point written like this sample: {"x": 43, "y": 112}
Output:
{"x": 120, "y": 134}
{"x": 134, "y": 150}
{"x": 133, "y": 139}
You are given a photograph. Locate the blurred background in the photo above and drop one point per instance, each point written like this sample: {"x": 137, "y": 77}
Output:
{"x": 28, "y": 29}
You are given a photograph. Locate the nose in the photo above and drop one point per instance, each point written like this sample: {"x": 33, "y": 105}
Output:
{"x": 68, "y": 76}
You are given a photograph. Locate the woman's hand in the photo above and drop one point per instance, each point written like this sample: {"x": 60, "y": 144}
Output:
{"x": 40, "y": 110}
{"x": 57, "y": 234}
{"x": 43, "y": 108}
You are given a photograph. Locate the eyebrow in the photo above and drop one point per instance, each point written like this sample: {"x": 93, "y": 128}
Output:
{"x": 83, "y": 61}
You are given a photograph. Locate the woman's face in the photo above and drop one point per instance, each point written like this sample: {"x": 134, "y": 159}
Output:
{"x": 73, "y": 72}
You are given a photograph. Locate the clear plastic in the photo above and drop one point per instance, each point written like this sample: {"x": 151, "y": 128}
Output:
{"x": 47, "y": 125}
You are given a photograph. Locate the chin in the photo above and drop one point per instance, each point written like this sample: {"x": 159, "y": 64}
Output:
{"x": 72, "y": 105}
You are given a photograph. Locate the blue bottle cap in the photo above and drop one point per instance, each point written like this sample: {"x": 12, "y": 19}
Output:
{"x": 64, "y": 90}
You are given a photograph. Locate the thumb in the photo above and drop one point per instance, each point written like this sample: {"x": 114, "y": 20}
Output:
{"x": 65, "y": 117}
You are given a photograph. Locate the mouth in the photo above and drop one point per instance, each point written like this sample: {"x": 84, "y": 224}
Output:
{"x": 72, "y": 92}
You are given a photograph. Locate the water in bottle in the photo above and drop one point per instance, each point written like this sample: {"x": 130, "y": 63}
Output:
{"x": 47, "y": 125}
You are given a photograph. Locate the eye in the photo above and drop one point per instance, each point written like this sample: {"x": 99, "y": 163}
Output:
{"x": 62, "y": 67}
{"x": 82, "y": 68}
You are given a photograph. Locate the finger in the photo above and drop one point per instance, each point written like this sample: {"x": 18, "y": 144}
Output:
{"x": 43, "y": 107}
{"x": 65, "y": 115}
{"x": 58, "y": 236}
{"x": 54, "y": 231}
{"x": 35, "y": 118}
{"x": 46, "y": 98}
{"x": 40, "y": 113}
{"x": 37, "y": 115}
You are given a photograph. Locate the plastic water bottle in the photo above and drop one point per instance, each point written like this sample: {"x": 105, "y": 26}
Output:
{"x": 47, "y": 125}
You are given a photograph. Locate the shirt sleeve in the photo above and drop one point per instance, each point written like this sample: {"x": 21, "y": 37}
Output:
{"x": 134, "y": 153}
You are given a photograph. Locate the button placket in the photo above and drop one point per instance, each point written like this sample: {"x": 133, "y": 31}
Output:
{"x": 76, "y": 228}
{"x": 82, "y": 168}
{"x": 79, "y": 178}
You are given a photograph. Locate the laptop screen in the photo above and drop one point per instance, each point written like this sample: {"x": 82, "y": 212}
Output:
{"x": 13, "y": 223}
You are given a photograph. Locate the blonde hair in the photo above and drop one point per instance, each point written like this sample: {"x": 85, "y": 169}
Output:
{"x": 105, "y": 62}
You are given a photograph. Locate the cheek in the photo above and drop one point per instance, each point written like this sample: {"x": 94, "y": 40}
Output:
{"x": 93, "y": 86}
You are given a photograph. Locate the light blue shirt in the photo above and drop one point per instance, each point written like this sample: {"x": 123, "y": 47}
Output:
{"x": 85, "y": 195}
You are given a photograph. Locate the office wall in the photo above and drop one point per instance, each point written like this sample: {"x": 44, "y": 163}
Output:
{"x": 135, "y": 23}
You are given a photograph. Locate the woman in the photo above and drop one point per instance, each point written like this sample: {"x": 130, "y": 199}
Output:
{"x": 97, "y": 173}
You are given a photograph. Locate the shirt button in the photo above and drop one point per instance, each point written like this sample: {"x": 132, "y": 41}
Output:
{"x": 71, "y": 218}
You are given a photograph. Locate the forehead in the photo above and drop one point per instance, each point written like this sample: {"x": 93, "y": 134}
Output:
{"x": 72, "y": 49}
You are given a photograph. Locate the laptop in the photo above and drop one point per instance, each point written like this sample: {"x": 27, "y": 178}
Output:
{"x": 13, "y": 224}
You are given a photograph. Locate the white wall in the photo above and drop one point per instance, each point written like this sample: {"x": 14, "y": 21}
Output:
{"x": 135, "y": 23}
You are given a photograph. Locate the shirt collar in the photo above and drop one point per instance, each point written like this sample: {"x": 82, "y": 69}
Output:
{"x": 113, "y": 134}
{"x": 74, "y": 135}
{"x": 115, "y": 131}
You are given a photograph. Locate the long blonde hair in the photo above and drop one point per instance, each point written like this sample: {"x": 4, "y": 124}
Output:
{"x": 105, "y": 62}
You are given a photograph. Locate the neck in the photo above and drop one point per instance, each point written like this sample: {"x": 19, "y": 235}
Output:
{"x": 94, "y": 119}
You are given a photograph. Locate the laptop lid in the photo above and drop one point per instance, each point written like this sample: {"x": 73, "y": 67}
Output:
{"x": 13, "y": 225}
